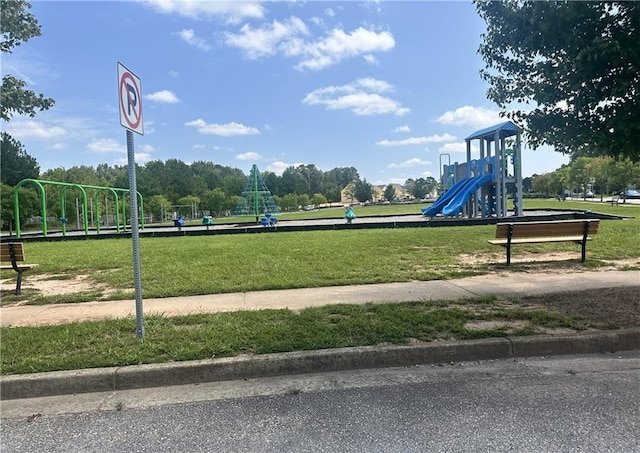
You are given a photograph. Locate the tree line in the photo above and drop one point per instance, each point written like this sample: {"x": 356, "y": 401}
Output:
{"x": 602, "y": 176}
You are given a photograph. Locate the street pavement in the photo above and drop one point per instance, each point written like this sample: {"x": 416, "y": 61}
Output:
{"x": 575, "y": 403}
{"x": 159, "y": 375}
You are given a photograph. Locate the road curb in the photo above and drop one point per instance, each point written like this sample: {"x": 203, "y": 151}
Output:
{"x": 301, "y": 362}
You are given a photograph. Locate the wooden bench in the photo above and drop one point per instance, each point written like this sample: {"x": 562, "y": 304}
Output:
{"x": 14, "y": 252}
{"x": 577, "y": 231}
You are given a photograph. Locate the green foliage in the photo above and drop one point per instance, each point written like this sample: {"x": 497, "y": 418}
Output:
{"x": 363, "y": 191}
{"x": 318, "y": 199}
{"x": 604, "y": 175}
{"x": 577, "y": 61}
{"x": 113, "y": 343}
{"x": 17, "y": 164}
{"x": 389, "y": 192}
{"x": 29, "y": 205}
{"x": 156, "y": 206}
{"x": 17, "y": 25}
{"x": 421, "y": 187}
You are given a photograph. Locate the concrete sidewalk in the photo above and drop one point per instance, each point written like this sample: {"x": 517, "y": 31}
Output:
{"x": 508, "y": 284}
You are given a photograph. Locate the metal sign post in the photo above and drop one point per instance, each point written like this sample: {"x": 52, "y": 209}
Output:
{"x": 130, "y": 101}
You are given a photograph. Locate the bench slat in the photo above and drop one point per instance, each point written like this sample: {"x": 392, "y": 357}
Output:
{"x": 538, "y": 240}
{"x": 542, "y": 229}
{"x": 26, "y": 267}
{"x": 18, "y": 250}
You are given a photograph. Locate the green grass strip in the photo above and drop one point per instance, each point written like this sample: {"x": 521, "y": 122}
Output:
{"x": 113, "y": 342}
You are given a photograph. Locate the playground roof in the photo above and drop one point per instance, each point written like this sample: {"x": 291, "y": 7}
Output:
{"x": 506, "y": 129}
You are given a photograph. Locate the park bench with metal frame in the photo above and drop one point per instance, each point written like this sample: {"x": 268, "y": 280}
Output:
{"x": 578, "y": 231}
{"x": 14, "y": 252}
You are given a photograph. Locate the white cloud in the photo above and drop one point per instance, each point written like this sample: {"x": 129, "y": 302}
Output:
{"x": 224, "y": 130}
{"x": 371, "y": 59}
{"x": 457, "y": 147}
{"x": 106, "y": 145}
{"x": 360, "y": 97}
{"x": 402, "y": 129}
{"x": 34, "y": 129}
{"x": 146, "y": 148}
{"x": 249, "y": 156}
{"x": 477, "y": 117}
{"x": 287, "y": 38}
{"x": 339, "y": 45}
{"x": 231, "y": 11}
{"x": 140, "y": 158}
{"x": 269, "y": 39}
{"x": 190, "y": 38}
{"x": 163, "y": 96}
{"x": 413, "y": 162}
{"x": 418, "y": 140}
{"x": 279, "y": 167}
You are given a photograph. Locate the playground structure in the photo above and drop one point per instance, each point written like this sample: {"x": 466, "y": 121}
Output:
{"x": 119, "y": 202}
{"x": 256, "y": 198}
{"x": 480, "y": 187}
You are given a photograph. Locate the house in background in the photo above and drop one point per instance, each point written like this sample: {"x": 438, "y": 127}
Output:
{"x": 347, "y": 194}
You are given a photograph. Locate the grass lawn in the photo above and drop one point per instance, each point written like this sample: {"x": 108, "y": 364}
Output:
{"x": 194, "y": 265}
{"x": 226, "y": 263}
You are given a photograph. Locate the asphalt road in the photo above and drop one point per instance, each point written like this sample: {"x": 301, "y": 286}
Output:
{"x": 587, "y": 403}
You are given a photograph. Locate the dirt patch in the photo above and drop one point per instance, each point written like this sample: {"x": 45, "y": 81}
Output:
{"x": 541, "y": 262}
{"x": 53, "y": 285}
{"x": 509, "y": 326}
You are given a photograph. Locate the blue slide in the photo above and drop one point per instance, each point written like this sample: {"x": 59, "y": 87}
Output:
{"x": 464, "y": 194}
{"x": 442, "y": 201}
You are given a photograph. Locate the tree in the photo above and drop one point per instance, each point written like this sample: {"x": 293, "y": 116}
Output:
{"x": 214, "y": 201}
{"x": 318, "y": 199}
{"x": 289, "y": 202}
{"x": 294, "y": 180}
{"x": 186, "y": 204}
{"x": 420, "y": 187}
{"x": 337, "y": 179}
{"x": 363, "y": 191}
{"x": 16, "y": 163}
{"x": 542, "y": 184}
{"x": 18, "y": 26}
{"x": 578, "y": 61}
{"x": 581, "y": 172}
{"x": 28, "y": 205}
{"x": 389, "y": 193}
{"x": 623, "y": 174}
{"x": 157, "y": 205}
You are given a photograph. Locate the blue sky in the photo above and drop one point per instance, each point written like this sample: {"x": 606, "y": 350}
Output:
{"x": 385, "y": 87}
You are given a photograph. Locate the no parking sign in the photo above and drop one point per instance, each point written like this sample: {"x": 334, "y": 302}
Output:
{"x": 130, "y": 100}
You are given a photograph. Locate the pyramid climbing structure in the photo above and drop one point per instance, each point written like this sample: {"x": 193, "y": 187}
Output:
{"x": 256, "y": 198}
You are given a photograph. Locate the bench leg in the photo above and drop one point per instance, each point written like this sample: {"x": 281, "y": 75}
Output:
{"x": 19, "y": 283}
{"x": 508, "y": 255}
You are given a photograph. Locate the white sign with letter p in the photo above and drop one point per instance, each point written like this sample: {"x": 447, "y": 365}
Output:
{"x": 130, "y": 100}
